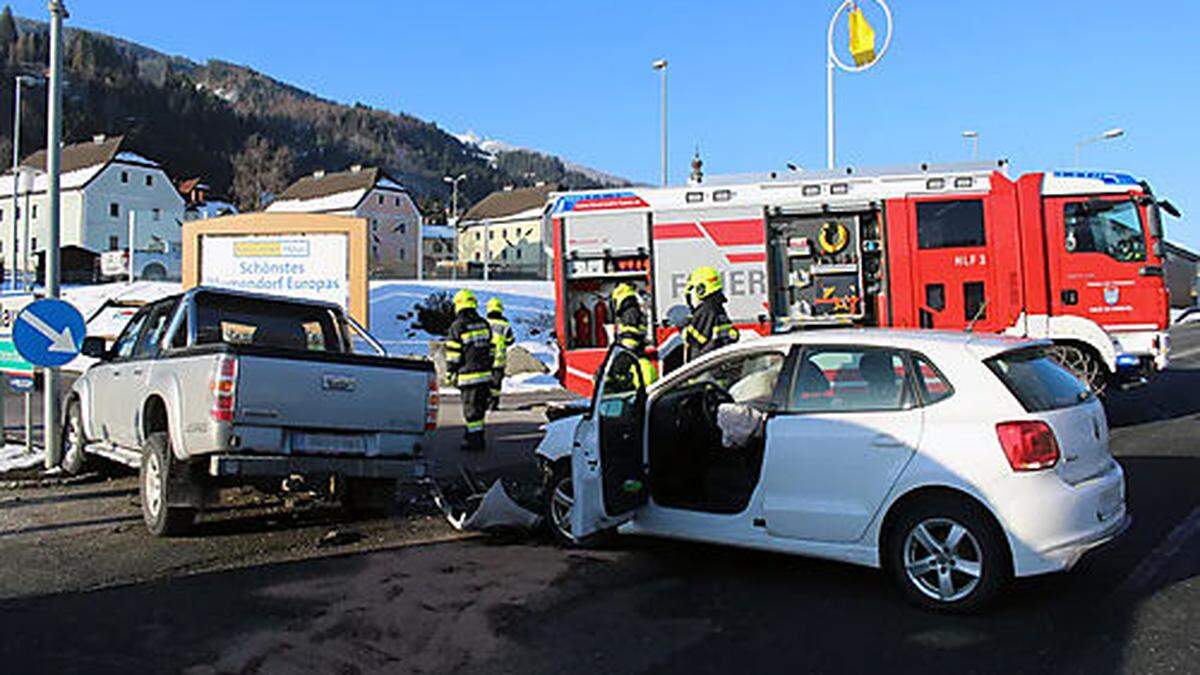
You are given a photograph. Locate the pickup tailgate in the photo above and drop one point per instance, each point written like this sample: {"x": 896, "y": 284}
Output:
{"x": 336, "y": 393}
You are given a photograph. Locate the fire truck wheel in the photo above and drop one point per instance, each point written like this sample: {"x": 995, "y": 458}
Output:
{"x": 1083, "y": 363}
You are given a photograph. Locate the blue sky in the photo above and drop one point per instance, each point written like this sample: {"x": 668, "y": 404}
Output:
{"x": 746, "y": 78}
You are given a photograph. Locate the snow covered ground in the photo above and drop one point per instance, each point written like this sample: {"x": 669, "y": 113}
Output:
{"x": 14, "y": 457}
{"x": 529, "y": 305}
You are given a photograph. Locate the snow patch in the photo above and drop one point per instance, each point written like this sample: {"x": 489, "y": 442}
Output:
{"x": 14, "y": 457}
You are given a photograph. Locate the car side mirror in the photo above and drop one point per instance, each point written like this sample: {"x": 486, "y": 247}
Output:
{"x": 678, "y": 316}
{"x": 94, "y": 347}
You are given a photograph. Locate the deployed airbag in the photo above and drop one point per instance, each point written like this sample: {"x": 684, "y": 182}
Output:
{"x": 739, "y": 424}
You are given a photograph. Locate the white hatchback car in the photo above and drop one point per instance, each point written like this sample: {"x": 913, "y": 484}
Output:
{"x": 954, "y": 461}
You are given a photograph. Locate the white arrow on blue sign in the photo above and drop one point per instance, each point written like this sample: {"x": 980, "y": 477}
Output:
{"x": 49, "y": 332}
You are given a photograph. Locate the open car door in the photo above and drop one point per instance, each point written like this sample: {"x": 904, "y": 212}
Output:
{"x": 608, "y": 461}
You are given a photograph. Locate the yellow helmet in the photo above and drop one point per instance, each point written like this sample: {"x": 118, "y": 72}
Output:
{"x": 621, "y": 292}
{"x": 494, "y": 305}
{"x": 704, "y": 282}
{"x": 465, "y": 299}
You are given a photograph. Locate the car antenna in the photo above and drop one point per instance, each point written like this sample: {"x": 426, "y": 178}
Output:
{"x": 978, "y": 315}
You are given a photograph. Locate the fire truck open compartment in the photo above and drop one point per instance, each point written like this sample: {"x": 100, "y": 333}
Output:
{"x": 825, "y": 269}
{"x": 603, "y": 251}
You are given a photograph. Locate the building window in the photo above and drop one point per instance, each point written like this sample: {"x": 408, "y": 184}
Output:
{"x": 518, "y": 254}
{"x": 124, "y": 176}
{"x": 374, "y": 224}
{"x": 950, "y": 224}
{"x": 113, "y": 242}
{"x": 114, "y": 210}
{"x": 380, "y": 199}
{"x": 477, "y": 258}
{"x": 403, "y": 228}
{"x": 33, "y": 211}
{"x": 157, "y": 214}
{"x": 149, "y": 180}
{"x": 476, "y": 234}
{"x": 504, "y": 254}
{"x": 491, "y": 234}
{"x": 397, "y": 201}
{"x": 402, "y": 254}
{"x": 33, "y": 244}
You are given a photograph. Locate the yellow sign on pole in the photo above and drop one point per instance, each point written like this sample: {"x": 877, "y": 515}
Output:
{"x": 862, "y": 38}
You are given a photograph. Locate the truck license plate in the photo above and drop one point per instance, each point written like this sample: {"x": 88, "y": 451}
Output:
{"x": 304, "y": 442}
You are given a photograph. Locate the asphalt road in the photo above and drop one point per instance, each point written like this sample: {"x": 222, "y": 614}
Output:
{"x": 643, "y": 605}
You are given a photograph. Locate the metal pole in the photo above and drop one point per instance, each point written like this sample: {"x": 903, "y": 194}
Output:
{"x": 420, "y": 247}
{"x": 28, "y": 421}
{"x": 1078, "y": 148}
{"x": 131, "y": 226}
{"x": 29, "y": 179}
{"x": 454, "y": 224}
{"x": 16, "y": 176}
{"x": 975, "y": 148}
{"x": 830, "y": 160}
{"x": 53, "y": 156}
{"x": 664, "y": 125}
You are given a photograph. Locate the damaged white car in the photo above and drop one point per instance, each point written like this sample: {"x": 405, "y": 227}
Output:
{"x": 953, "y": 461}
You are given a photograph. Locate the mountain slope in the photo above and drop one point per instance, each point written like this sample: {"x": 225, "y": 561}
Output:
{"x": 195, "y": 118}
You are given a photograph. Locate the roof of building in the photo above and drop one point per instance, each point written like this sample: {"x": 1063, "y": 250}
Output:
{"x": 93, "y": 152}
{"x": 321, "y": 184}
{"x": 508, "y": 202}
{"x": 186, "y": 186}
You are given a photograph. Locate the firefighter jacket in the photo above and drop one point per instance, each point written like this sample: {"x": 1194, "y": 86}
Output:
{"x": 469, "y": 350}
{"x": 709, "y": 327}
{"x": 631, "y": 325}
{"x": 502, "y": 339}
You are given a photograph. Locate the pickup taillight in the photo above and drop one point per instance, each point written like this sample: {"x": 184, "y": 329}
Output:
{"x": 1029, "y": 445}
{"x": 224, "y": 387}
{"x": 432, "y": 401}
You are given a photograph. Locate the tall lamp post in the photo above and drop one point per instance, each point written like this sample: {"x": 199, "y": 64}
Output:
{"x": 834, "y": 62}
{"x": 58, "y": 12}
{"x": 1105, "y": 136}
{"x": 16, "y": 164}
{"x": 661, "y": 66}
{"x": 972, "y": 136}
{"x": 454, "y": 181}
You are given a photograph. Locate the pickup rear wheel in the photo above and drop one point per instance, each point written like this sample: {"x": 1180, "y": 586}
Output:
{"x": 74, "y": 457}
{"x": 159, "y": 476}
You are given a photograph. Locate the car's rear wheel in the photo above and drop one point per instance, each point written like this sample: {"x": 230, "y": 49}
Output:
{"x": 947, "y": 554}
{"x": 158, "y": 481}
{"x": 1083, "y": 364}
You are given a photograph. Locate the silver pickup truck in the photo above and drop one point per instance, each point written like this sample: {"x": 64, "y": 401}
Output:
{"x": 214, "y": 388}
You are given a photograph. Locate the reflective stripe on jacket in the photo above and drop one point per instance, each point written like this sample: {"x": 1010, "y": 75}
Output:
{"x": 469, "y": 351}
{"x": 502, "y": 339}
{"x": 709, "y": 327}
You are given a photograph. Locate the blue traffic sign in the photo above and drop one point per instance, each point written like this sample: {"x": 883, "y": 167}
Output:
{"x": 49, "y": 332}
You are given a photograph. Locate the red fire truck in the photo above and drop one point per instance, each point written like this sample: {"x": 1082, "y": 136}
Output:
{"x": 1073, "y": 256}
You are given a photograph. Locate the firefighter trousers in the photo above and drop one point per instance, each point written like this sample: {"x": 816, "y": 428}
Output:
{"x": 497, "y": 385}
{"x": 475, "y": 405}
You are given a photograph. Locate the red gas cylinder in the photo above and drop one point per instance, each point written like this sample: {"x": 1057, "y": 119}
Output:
{"x": 581, "y": 322}
{"x": 600, "y": 314}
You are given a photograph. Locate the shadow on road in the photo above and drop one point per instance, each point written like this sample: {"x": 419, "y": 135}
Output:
{"x": 1168, "y": 396}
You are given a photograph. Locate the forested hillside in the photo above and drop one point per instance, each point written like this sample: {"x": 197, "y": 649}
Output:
{"x": 215, "y": 119}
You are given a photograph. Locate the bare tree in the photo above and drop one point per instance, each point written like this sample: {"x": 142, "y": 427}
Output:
{"x": 260, "y": 171}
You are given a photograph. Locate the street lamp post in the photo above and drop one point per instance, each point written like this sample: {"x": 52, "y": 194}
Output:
{"x": 1109, "y": 135}
{"x": 58, "y": 12}
{"x": 834, "y": 62}
{"x": 454, "y": 181}
{"x": 16, "y": 165}
{"x": 972, "y": 136}
{"x": 661, "y": 66}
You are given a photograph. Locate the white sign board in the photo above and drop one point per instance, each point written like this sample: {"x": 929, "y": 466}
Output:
{"x": 312, "y": 266}
{"x": 114, "y": 263}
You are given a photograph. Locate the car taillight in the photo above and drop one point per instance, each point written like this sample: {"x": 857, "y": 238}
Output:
{"x": 431, "y": 404}
{"x": 224, "y": 388}
{"x": 1029, "y": 445}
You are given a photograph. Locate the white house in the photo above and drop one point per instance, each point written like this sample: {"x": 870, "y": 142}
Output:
{"x": 101, "y": 184}
{"x": 367, "y": 193}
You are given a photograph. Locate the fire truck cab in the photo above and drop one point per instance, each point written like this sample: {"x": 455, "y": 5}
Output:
{"x": 1068, "y": 255}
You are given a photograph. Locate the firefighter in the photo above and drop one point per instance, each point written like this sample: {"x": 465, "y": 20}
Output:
{"x": 629, "y": 330}
{"x": 469, "y": 359}
{"x": 502, "y": 339}
{"x": 709, "y": 327}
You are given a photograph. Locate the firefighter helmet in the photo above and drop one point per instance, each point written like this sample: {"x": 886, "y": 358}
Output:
{"x": 465, "y": 299}
{"x": 620, "y": 293}
{"x": 704, "y": 282}
{"x": 495, "y": 306}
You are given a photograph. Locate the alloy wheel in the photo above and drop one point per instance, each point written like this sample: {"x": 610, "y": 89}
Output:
{"x": 943, "y": 559}
{"x": 562, "y": 501}
{"x": 153, "y": 484}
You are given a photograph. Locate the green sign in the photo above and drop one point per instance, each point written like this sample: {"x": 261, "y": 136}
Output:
{"x": 10, "y": 360}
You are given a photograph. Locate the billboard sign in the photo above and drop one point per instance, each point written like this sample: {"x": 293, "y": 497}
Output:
{"x": 314, "y": 266}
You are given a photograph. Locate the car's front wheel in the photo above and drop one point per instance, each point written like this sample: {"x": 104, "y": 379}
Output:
{"x": 947, "y": 554}
{"x": 74, "y": 456}
{"x": 558, "y": 500}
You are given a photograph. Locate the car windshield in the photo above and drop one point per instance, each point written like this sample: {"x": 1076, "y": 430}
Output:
{"x": 1113, "y": 228}
{"x": 1038, "y": 381}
